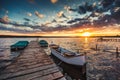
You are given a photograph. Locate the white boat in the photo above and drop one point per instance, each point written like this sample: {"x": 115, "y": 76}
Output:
{"x": 67, "y": 56}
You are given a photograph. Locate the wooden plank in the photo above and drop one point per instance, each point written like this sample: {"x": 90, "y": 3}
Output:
{"x": 26, "y": 71}
{"x": 32, "y": 64}
{"x": 35, "y": 75}
{"x": 47, "y": 77}
{"x": 57, "y": 75}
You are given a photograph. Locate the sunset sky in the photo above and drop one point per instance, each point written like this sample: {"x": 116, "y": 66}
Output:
{"x": 59, "y": 17}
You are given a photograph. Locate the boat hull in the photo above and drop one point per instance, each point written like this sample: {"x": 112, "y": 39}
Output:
{"x": 76, "y": 61}
{"x": 72, "y": 63}
{"x": 75, "y": 72}
{"x": 17, "y": 48}
{"x": 20, "y": 45}
{"x": 43, "y": 43}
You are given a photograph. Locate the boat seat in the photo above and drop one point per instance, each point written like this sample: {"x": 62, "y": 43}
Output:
{"x": 69, "y": 54}
{"x": 54, "y": 46}
{"x": 59, "y": 50}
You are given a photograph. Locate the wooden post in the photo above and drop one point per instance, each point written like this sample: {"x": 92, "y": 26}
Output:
{"x": 96, "y": 47}
{"x": 37, "y": 39}
{"x": 85, "y": 55}
{"x": 77, "y": 50}
{"x": 117, "y": 52}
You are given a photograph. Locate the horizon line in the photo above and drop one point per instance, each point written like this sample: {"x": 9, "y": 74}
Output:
{"x": 12, "y": 36}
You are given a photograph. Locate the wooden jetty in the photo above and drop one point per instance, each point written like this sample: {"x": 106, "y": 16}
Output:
{"x": 32, "y": 64}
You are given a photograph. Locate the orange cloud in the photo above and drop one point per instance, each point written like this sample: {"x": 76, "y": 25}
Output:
{"x": 5, "y": 19}
{"x": 59, "y": 14}
{"x": 39, "y": 15}
{"x": 54, "y": 1}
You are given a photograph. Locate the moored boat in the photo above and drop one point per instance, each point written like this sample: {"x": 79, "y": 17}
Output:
{"x": 67, "y": 56}
{"x": 20, "y": 45}
{"x": 43, "y": 43}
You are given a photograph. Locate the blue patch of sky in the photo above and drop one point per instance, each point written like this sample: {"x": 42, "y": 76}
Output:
{"x": 18, "y": 9}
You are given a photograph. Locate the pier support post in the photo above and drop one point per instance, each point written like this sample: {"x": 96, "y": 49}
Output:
{"x": 117, "y": 52}
{"x": 96, "y": 47}
{"x": 85, "y": 53}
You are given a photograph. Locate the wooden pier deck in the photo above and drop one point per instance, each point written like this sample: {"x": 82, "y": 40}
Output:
{"x": 32, "y": 64}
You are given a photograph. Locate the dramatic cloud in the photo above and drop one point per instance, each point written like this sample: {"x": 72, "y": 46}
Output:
{"x": 116, "y": 9}
{"x": 5, "y": 19}
{"x": 54, "y": 1}
{"x": 15, "y": 28}
{"x": 39, "y": 15}
{"x": 26, "y": 19}
{"x": 80, "y": 20}
{"x": 117, "y": 3}
{"x": 67, "y": 8}
{"x": 29, "y": 14}
{"x": 74, "y": 10}
{"x": 61, "y": 14}
{"x": 86, "y": 7}
{"x": 104, "y": 14}
{"x": 64, "y": 15}
{"x": 53, "y": 20}
{"x": 107, "y": 3}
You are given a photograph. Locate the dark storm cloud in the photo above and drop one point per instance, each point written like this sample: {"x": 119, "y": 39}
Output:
{"x": 117, "y": 3}
{"x": 116, "y": 15}
{"x": 82, "y": 9}
{"x": 114, "y": 7}
{"x": 99, "y": 12}
{"x": 104, "y": 6}
{"x": 107, "y": 3}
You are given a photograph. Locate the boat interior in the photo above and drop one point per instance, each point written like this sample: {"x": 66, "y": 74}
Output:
{"x": 67, "y": 53}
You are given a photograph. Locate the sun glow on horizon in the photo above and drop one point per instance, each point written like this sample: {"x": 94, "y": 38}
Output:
{"x": 86, "y": 34}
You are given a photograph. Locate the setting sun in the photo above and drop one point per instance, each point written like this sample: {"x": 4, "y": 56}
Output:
{"x": 86, "y": 34}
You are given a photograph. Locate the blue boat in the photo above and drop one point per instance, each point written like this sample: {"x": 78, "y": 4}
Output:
{"x": 20, "y": 45}
{"x": 43, "y": 43}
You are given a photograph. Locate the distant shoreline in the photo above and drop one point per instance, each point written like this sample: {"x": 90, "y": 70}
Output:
{"x": 7, "y": 36}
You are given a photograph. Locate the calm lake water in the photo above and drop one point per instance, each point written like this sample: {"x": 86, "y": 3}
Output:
{"x": 69, "y": 43}
{"x": 73, "y": 44}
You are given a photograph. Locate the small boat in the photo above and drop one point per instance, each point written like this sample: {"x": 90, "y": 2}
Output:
{"x": 67, "y": 56}
{"x": 43, "y": 43}
{"x": 20, "y": 45}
